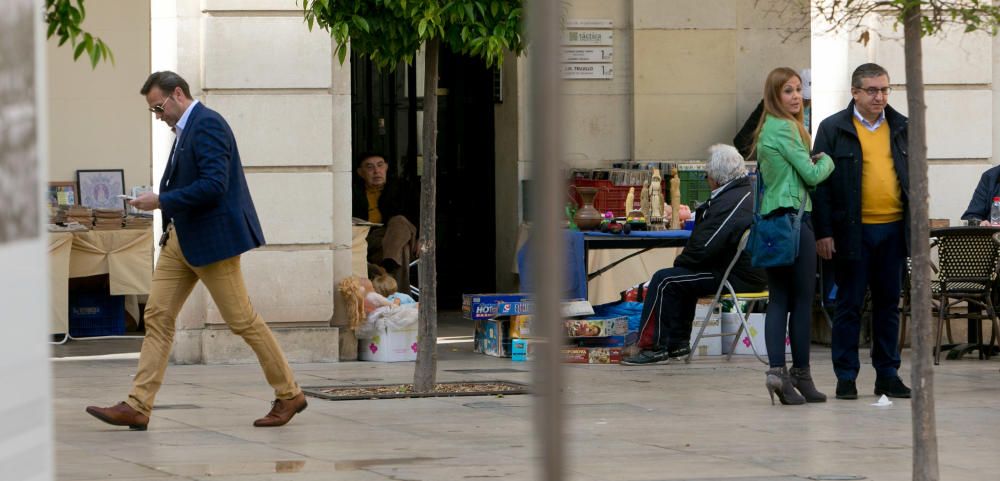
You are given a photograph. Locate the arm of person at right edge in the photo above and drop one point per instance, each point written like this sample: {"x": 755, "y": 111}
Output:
{"x": 822, "y": 201}
{"x": 980, "y": 199}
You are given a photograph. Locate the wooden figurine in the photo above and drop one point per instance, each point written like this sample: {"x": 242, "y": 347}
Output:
{"x": 630, "y": 200}
{"x": 655, "y": 199}
{"x": 675, "y": 199}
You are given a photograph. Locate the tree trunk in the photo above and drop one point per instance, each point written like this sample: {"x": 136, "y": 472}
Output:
{"x": 425, "y": 373}
{"x": 925, "y": 460}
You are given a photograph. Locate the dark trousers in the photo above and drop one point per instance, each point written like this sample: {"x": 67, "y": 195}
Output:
{"x": 789, "y": 308}
{"x": 880, "y": 270}
{"x": 668, "y": 310}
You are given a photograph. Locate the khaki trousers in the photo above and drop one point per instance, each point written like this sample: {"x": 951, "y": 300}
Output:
{"x": 173, "y": 280}
{"x": 396, "y": 240}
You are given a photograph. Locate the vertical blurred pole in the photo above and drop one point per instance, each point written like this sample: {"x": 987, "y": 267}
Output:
{"x": 548, "y": 245}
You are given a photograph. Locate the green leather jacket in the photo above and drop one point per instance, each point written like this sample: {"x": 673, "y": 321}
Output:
{"x": 787, "y": 169}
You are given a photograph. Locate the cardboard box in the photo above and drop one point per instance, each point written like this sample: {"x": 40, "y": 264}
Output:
{"x": 592, "y": 355}
{"x": 709, "y": 346}
{"x": 484, "y": 306}
{"x": 520, "y": 326}
{"x": 594, "y": 327}
{"x": 524, "y": 349}
{"x": 608, "y": 341}
{"x": 491, "y": 337}
{"x": 390, "y": 346}
{"x": 569, "y": 308}
{"x": 731, "y": 322}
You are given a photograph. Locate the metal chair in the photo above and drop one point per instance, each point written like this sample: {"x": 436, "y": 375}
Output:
{"x": 753, "y": 300}
{"x": 967, "y": 262}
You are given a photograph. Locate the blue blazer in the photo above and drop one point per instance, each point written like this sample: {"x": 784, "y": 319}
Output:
{"x": 982, "y": 198}
{"x": 204, "y": 192}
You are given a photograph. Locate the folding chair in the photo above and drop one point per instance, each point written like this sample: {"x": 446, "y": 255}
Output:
{"x": 753, "y": 299}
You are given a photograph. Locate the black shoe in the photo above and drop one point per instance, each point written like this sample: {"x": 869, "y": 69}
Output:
{"x": 657, "y": 356}
{"x": 846, "y": 389}
{"x": 892, "y": 387}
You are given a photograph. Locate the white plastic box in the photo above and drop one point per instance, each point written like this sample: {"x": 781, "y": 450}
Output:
{"x": 731, "y": 322}
{"x": 390, "y": 345}
{"x": 709, "y": 346}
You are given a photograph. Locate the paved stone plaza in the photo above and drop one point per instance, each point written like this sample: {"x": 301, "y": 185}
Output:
{"x": 711, "y": 420}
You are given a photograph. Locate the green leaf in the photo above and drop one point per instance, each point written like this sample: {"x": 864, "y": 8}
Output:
{"x": 361, "y": 23}
{"x": 342, "y": 53}
{"x": 79, "y": 50}
{"x": 95, "y": 56}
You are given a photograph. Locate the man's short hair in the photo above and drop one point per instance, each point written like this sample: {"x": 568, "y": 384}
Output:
{"x": 167, "y": 81}
{"x": 367, "y": 155}
{"x": 724, "y": 164}
{"x": 867, "y": 70}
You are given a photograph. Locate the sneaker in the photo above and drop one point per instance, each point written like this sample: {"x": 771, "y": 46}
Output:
{"x": 846, "y": 389}
{"x": 892, "y": 387}
{"x": 658, "y": 356}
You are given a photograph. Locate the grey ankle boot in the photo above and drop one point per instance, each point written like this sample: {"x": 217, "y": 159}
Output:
{"x": 802, "y": 380}
{"x": 780, "y": 384}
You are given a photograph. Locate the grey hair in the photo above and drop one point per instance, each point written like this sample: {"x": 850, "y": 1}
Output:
{"x": 867, "y": 70}
{"x": 724, "y": 163}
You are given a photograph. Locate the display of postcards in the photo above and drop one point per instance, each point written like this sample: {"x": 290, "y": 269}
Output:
{"x": 520, "y": 326}
{"x": 609, "y": 341}
{"x": 617, "y": 326}
{"x": 592, "y": 355}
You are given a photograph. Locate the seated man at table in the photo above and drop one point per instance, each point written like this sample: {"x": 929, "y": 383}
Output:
{"x": 381, "y": 199}
{"x": 979, "y": 207}
{"x": 669, "y": 305}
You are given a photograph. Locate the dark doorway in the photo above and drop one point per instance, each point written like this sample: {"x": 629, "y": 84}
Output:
{"x": 386, "y": 118}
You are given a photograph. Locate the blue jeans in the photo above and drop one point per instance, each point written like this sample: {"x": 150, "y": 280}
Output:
{"x": 879, "y": 269}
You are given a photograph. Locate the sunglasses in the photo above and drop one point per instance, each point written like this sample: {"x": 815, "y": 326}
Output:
{"x": 158, "y": 109}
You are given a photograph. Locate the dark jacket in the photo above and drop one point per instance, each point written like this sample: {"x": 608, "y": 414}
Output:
{"x": 395, "y": 200}
{"x": 720, "y": 223}
{"x": 744, "y": 140}
{"x": 837, "y": 200}
{"x": 982, "y": 199}
{"x": 205, "y": 192}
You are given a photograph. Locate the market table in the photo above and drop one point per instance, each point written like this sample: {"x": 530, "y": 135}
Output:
{"x": 581, "y": 247}
{"x": 125, "y": 255}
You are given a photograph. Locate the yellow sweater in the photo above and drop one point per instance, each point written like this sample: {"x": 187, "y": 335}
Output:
{"x": 881, "y": 198}
{"x": 374, "y": 214}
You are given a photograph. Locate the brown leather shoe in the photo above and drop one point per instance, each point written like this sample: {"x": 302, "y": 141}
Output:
{"x": 120, "y": 415}
{"x": 282, "y": 411}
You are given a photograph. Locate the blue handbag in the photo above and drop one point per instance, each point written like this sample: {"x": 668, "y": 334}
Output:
{"x": 774, "y": 239}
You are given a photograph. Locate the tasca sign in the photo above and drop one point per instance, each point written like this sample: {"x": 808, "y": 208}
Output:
{"x": 588, "y": 37}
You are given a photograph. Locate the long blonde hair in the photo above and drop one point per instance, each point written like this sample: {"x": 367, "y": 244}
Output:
{"x": 773, "y": 106}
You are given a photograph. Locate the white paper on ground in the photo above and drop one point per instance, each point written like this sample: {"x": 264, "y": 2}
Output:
{"x": 883, "y": 401}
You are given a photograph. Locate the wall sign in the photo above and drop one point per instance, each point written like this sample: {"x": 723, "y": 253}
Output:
{"x": 586, "y": 54}
{"x": 589, "y": 23}
{"x": 580, "y": 71}
{"x": 588, "y": 37}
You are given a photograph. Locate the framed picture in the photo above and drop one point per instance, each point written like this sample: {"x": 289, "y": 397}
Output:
{"x": 98, "y": 189}
{"x": 62, "y": 193}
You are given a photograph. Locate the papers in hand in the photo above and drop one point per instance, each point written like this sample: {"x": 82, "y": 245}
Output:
{"x": 357, "y": 221}
{"x": 883, "y": 402}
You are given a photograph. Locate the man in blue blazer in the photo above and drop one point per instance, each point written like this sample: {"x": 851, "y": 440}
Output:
{"x": 209, "y": 221}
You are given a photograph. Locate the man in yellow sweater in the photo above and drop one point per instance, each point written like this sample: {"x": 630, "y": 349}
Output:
{"x": 860, "y": 215}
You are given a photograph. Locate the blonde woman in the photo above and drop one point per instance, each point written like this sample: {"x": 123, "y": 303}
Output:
{"x": 788, "y": 172}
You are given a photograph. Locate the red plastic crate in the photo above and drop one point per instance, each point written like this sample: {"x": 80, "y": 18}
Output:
{"x": 609, "y": 196}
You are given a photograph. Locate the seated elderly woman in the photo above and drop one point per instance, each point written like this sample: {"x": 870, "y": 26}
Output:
{"x": 669, "y": 306}
{"x": 979, "y": 207}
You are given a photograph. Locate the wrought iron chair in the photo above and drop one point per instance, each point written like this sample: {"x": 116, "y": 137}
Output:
{"x": 727, "y": 292}
{"x": 967, "y": 262}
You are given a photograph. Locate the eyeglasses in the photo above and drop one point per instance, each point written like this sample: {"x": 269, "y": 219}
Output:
{"x": 873, "y": 91}
{"x": 158, "y": 109}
